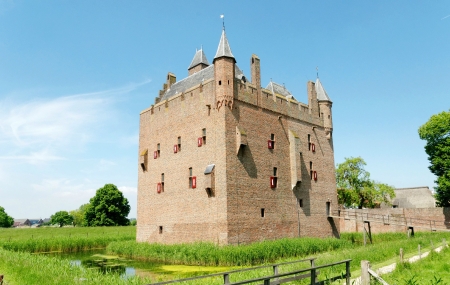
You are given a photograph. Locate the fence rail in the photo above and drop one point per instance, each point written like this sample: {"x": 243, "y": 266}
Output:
{"x": 276, "y": 278}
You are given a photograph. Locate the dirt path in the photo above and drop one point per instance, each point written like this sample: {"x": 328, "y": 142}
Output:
{"x": 391, "y": 267}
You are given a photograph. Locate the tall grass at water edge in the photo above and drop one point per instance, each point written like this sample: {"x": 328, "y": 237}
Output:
{"x": 386, "y": 246}
{"x": 63, "y": 239}
{"x": 25, "y": 268}
{"x": 213, "y": 255}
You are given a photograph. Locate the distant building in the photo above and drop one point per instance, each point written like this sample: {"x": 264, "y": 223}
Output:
{"x": 21, "y": 223}
{"x": 414, "y": 197}
{"x": 225, "y": 160}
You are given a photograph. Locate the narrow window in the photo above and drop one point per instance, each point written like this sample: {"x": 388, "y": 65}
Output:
{"x": 209, "y": 109}
{"x": 162, "y": 182}
{"x": 300, "y": 203}
{"x": 158, "y": 149}
{"x": 328, "y": 209}
{"x": 263, "y": 214}
{"x": 272, "y": 137}
{"x": 179, "y": 143}
{"x": 160, "y": 229}
{"x": 220, "y": 82}
{"x": 253, "y": 60}
{"x": 204, "y": 136}
{"x": 309, "y": 142}
{"x": 228, "y": 82}
{"x": 275, "y": 170}
{"x": 311, "y": 169}
{"x": 209, "y": 192}
{"x": 190, "y": 177}
{"x": 328, "y": 116}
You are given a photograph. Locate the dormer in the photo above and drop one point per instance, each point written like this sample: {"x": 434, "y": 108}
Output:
{"x": 198, "y": 63}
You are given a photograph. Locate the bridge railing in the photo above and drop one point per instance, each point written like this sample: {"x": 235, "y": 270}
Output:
{"x": 277, "y": 277}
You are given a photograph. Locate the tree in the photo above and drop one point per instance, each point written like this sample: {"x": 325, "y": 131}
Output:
{"x": 78, "y": 215}
{"x": 5, "y": 220}
{"x": 107, "y": 208}
{"x": 61, "y": 218}
{"x": 437, "y": 134}
{"x": 356, "y": 189}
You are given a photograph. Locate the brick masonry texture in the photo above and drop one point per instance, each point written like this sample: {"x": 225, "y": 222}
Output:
{"x": 232, "y": 211}
{"x": 439, "y": 216}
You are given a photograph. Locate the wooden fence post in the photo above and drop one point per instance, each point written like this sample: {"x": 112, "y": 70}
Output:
{"x": 275, "y": 272}
{"x": 313, "y": 276}
{"x": 1, "y": 279}
{"x": 226, "y": 279}
{"x": 401, "y": 255}
{"x": 420, "y": 256}
{"x": 347, "y": 273}
{"x": 365, "y": 276}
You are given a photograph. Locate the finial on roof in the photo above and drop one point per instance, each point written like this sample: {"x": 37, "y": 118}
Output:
{"x": 317, "y": 71}
{"x": 223, "y": 21}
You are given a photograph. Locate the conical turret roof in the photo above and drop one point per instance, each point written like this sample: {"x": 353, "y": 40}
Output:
{"x": 320, "y": 91}
{"x": 199, "y": 58}
{"x": 224, "y": 47}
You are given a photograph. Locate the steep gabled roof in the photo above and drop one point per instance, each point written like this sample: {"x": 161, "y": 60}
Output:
{"x": 224, "y": 47}
{"x": 195, "y": 79}
{"x": 199, "y": 58}
{"x": 279, "y": 89}
{"x": 320, "y": 91}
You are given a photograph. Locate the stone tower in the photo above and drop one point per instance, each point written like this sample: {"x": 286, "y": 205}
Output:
{"x": 224, "y": 73}
{"x": 324, "y": 108}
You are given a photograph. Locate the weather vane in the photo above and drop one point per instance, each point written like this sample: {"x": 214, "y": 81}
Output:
{"x": 317, "y": 70}
{"x": 223, "y": 21}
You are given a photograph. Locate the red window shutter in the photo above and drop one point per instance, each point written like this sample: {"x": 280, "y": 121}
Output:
{"x": 273, "y": 182}
{"x": 175, "y": 148}
{"x": 155, "y": 154}
{"x": 194, "y": 182}
{"x": 315, "y": 175}
{"x": 199, "y": 142}
{"x": 270, "y": 144}
{"x": 313, "y": 147}
{"x": 158, "y": 188}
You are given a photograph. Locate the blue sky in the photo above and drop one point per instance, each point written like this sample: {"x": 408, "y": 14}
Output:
{"x": 74, "y": 76}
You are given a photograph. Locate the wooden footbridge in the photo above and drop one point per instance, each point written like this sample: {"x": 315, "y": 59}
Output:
{"x": 389, "y": 220}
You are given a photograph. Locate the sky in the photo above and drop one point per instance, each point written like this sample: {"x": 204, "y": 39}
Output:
{"x": 74, "y": 76}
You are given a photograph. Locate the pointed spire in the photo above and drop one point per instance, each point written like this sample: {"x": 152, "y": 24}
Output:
{"x": 320, "y": 91}
{"x": 199, "y": 58}
{"x": 224, "y": 47}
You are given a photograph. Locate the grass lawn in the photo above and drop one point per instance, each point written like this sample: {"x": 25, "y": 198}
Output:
{"x": 433, "y": 269}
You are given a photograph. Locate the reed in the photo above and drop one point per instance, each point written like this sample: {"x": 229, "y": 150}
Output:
{"x": 26, "y": 268}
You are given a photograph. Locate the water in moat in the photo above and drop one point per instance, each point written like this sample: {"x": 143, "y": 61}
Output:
{"x": 112, "y": 264}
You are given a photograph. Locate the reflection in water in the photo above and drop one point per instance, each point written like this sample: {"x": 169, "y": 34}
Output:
{"x": 128, "y": 268}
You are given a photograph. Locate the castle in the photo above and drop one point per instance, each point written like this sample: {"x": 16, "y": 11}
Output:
{"x": 224, "y": 160}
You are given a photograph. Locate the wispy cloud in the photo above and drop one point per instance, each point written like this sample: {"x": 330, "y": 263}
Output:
{"x": 445, "y": 17}
{"x": 29, "y": 128}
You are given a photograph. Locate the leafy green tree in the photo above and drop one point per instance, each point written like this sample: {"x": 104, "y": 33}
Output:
{"x": 78, "y": 215}
{"x": 356, "y": 189}
{"x": 107, "y": 208}
{"x": 437, "y": 134}
{"x": 5, "y": 220}
{"x": 61, "y": 218}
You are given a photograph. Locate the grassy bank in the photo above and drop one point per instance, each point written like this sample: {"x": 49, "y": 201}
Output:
{"x": 63, "y": 239}
{"x": 212, "y": 255}
{"x": 14, "y": 234}
{"x": 385, "y": 247}
{"x": 429, "y": 270}
{"x": 25, "y": 268}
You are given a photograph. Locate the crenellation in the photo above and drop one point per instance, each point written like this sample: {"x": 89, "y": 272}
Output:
{"x": 260, "y": 143}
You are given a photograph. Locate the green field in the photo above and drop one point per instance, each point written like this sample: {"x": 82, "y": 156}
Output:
{"x": 434, "y": 269}
{"x": 21, "y": 266}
